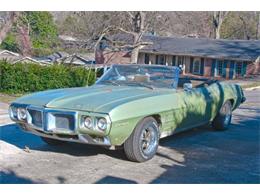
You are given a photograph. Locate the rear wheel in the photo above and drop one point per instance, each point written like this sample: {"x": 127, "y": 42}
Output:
{"x": 143, "y": 143}
{"x": 52, "y": 142}
{"x": 223, "y": 118}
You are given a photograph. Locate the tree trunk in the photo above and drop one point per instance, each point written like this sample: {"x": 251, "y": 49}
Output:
{"x": 134, "y": 55}
{"x": 24, "y": 40}
{"x": 139, "y": 29}
{"x": 218, "y": 18}
{"x": 258, "y": 27}
{"x": 217, "y": 33}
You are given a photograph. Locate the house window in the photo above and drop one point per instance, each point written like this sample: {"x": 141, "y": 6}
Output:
{"x": 196, "y": 66}
{"x": 160, "y": 59}
{"x": 146, "y": 58}
{"x": 219, "y": 68}
{"x": 180, "y": 60}
{"x": 239, "y": 66}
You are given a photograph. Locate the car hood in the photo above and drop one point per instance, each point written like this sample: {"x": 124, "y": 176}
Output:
{"x": 97, "y": 98}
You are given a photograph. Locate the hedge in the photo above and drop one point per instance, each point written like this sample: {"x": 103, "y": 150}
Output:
{"x": 24, "y": 78}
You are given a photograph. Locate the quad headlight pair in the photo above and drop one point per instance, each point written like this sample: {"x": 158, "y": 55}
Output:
{"x": 18, "y": 113}
{"x": 93, "y": 123}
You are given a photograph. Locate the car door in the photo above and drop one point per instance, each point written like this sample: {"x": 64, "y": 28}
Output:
{"x": 196, "y": 107}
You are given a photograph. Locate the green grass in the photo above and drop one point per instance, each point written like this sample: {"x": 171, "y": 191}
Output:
{"x": 7, "y": 98}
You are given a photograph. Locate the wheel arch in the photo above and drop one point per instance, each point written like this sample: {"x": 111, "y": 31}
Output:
{"x": 129, "y": 128}
{"x": 232, "y": 101}
{"x": 157, "y": 117}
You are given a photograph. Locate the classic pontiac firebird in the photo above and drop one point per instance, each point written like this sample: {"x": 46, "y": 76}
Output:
{"x": 130, "y": 106}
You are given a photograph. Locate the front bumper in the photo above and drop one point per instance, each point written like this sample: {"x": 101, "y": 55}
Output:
{"x": 79, "y": 138}
{"x": 60, "y": 124}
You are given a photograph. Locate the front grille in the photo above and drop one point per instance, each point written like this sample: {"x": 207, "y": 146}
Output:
{"x": 51, "y": 120}
{"x": 61, "y": 121}
{"x": 64, "y": 122}
{"x": 36, "y": 117}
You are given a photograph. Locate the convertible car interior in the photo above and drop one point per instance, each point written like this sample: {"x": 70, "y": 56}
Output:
{"x": 195, "y": 82}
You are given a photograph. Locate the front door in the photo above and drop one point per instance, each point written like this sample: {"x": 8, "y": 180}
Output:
{"x": 196, "y": 107}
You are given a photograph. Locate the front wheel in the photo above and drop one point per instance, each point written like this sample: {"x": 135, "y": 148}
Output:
{"x": 143, "y": 143}
{"x": 223, "y": 118}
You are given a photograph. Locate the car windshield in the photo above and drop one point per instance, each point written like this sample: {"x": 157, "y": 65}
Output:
{"x": 150, "y": 76}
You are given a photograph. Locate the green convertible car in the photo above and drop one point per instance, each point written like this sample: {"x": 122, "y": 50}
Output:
{"x": 130, "y": 106}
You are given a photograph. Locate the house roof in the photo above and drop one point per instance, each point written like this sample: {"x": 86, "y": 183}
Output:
{"x": 212, "y": 48}
{"x": 7, "y": 52}
{"x": 29, "y": 59}
{"x": 78, "y": 59}
{"x": 9, "y": 56}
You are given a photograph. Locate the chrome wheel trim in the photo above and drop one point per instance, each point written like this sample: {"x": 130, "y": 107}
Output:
{"x": 148, "y": 140}
{"x": 227, "y": 114}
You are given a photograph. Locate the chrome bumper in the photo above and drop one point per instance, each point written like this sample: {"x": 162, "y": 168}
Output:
{"x": 79, "y": 138}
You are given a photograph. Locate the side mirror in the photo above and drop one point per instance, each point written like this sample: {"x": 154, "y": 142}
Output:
{"x": 187, "y": 86}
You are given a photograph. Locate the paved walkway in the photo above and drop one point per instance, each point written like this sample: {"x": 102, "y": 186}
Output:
{"x": 4, "y": 117}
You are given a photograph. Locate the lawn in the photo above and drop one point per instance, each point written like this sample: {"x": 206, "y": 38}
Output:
{"x": 7, "y": 98}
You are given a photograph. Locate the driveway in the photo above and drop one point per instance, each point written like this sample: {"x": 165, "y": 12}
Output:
{"x": 196, "y": 156}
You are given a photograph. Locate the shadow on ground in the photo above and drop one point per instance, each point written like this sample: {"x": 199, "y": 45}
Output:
{"x": 11, "y": 177}
{"x": 12, "y": 134}
{"x": 216, "y": 157}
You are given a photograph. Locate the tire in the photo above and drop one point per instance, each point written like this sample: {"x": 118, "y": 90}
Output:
{"x": 52, "y": 142}
{"x": 223, "y": 118}
{"x": 143, "y": 143}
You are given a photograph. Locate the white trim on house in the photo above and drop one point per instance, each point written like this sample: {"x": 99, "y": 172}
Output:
{"x": 32, "y": 60}
{"x": 9, "y": 52}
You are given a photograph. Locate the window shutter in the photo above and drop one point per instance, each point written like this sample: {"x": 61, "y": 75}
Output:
{"x": 224, "y": 68}
{"x": 244, "y": 66}
{"x": 202, "y": 66}
{"x": 213, "y": 67}
{"x": 231, "y": 69}
{"x": 191, "y": 64}
{"x": 157, "y": 59}
{"x": 173, "y": 60}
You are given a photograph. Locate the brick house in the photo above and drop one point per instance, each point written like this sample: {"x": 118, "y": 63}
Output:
{"x": 227, "y": 59}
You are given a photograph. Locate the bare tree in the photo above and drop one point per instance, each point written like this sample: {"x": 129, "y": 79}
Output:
{"x": 139, "y": 28}
{"x": 136, "y": 30}
{"x": 218, "y": 18}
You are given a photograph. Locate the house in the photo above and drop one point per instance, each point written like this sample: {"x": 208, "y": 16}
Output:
{"x": 53, "y": 58}
{"x": 14, "y": 58}
{"x": 27, "y": 59}
{"x": 227, "y": 59}
{"x": 9, "y": 56}
{"x": 70, "y": 59}
{"x": 79, "y": 59}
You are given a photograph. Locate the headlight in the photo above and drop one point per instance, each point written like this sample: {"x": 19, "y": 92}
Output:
{"x": 21, "y": 113}
{"x": 13, "y": 112}
{"x": 88, "y": 123}
{"x": 102, "y": 124}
